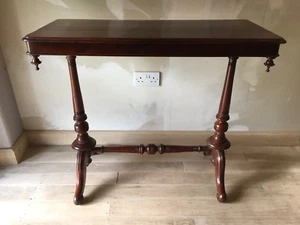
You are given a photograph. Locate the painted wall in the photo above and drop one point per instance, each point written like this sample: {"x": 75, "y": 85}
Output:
{"x": 10, "y": 122}
{"x": 189, "y": 96}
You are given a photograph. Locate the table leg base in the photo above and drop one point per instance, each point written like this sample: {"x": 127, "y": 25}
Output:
{"x": 89, "y": 144}
{"x": 84, "y": 159}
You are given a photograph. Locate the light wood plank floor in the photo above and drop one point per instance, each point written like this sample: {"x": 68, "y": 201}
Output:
{"x": 172, "y": 189}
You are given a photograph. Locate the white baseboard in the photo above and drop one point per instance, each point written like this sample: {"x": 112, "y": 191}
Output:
{"x": 165, "y": 137}
{"x": 7, "y": 157}
{"x": 14, "y": 155}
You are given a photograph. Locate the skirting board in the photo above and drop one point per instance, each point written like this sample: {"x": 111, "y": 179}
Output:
{"x": 14, "y": 155}
{"x": 165, "y": 137}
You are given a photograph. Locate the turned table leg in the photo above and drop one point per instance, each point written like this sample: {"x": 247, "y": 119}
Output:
{"x": 218, "y": 142}
{"x": 83, "y": 142}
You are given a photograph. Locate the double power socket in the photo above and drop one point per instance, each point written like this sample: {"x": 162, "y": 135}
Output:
{"x": 146, "y": 78}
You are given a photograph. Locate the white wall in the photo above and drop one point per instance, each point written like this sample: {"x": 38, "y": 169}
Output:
{"x": 10, "y": 122}
{"x": 189, "y": 96}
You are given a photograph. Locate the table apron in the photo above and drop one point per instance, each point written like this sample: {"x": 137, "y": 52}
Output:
{"x": 153, "y": 50}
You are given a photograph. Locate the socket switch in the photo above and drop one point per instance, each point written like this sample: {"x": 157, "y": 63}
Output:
{"x": 146, "y": 78}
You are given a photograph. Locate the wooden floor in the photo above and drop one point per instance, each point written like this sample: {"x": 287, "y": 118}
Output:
{"x": 263, "y": 185}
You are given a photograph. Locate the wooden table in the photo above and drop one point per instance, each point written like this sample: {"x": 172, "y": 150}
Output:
{"x": 171, "y": 38}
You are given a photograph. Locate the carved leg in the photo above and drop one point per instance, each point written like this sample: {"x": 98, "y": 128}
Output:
{"x": 219, "y": 163}
{"x": 218, "y": 142}
{"x": 83, "y": 142}
{"x": 81, "y": 164}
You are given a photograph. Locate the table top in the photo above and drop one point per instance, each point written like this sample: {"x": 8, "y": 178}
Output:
{"x": 153, "y": 38}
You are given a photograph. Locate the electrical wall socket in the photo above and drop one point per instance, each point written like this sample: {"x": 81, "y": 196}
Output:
{"x": 146, "y": 78}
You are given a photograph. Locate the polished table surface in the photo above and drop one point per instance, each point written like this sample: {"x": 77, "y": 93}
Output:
{"x": 153, "y": 38}
{"x": 186, "y": 38}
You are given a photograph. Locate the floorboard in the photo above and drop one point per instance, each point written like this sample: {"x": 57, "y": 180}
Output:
{"x": 172, "y": 189}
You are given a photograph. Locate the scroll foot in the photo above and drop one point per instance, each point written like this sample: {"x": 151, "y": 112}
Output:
{"x": 221, "y": 198}
{"x": 78, "y": 200}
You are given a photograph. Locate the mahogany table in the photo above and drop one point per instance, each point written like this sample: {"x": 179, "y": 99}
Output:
{"x": 169, "y": 38}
